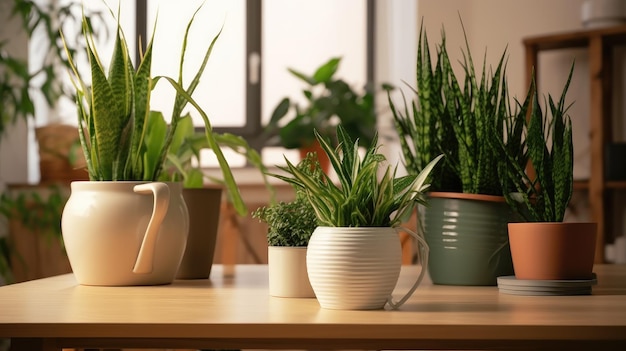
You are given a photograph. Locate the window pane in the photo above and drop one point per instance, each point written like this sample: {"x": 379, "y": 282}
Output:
{"x": 221, "y": 91}
{"x": 304, "y": 34}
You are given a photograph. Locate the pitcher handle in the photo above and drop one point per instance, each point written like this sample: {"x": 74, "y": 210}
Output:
{"x": 423, "y": 249}
{"x": 161, "y": 193}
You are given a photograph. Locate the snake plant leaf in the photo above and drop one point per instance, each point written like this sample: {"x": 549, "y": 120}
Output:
{"x": 142, "y": 86}
{"x": 154, "y": 142}
{"x": 105, "y": 120}
{"x": 229, "y": 179}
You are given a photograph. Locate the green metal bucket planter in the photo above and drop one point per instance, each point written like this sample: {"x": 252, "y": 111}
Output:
{"x": 468, "y": 238}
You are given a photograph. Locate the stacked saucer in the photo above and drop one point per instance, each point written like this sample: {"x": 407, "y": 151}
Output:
{"x": 513, "y": 286}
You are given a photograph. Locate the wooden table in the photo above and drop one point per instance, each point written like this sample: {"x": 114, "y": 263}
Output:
{"x": 237, "y": 312}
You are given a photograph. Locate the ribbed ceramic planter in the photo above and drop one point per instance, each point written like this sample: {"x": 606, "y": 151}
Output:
{"x": 468, "y": 239}
{"x": 288, "y": 276}
{"x": 555, "y": 251}
{"x": 125, "y": 233}
{"x": 356, "y": 268}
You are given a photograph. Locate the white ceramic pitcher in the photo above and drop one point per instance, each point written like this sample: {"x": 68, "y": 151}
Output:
{"x": 124, "y": 232}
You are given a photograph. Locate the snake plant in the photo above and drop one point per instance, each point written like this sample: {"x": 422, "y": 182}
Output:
{"x": 423, "y": 126}
{"x": 457, "y": 117}
{"x": 542, "y": 191}
{"x": 361, "y": 198}
{"x": 113, "y": 114}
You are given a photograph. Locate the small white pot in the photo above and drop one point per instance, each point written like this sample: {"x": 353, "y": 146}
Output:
{"x": 287, "y": 272}
{"x": 358, "y": 268}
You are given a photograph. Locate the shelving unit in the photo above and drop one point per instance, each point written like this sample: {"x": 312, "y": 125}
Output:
{"x": 600, "y": 44}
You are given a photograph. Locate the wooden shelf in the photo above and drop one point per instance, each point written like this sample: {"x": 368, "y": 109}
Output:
{"x": 609, "y": 185}
{"x": 599, "y": 44}
{"x": 621, "y": 184}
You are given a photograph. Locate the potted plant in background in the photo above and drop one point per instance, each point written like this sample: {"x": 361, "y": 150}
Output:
{"x": 23, "y": 83}
{"x": 465, "y": 223}
{"x": 330, "y": 101}
{"x": 203, "y": 201}
{"x": 34, "y": 246}
{"x": 545, "y": 247}
{"x": 354, "y": 255}
{"x": 290, "y": 226}
{"x": 132, "y": 239}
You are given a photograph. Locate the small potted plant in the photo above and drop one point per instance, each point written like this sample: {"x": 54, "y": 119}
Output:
{"x": 354, "y": 255}
{"x": 202, "y": 194}
{"x": 137, "y": 227}
{"x": 329, "y": 101}
{"x": 290, "y": 226}
{"x": 545, "y": 247}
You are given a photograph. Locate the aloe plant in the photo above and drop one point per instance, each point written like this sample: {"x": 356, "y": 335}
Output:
{"x": 113, "y": 114}
{"x": 362, "y": 198}
{"x": 543, "y": 191}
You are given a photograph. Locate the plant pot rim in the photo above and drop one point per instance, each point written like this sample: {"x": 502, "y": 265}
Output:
{"x": 466, "y": 196}
{"x": 126, "y": 181}
{"x": 552, "y": 223}
{"x": 286, "y": 247}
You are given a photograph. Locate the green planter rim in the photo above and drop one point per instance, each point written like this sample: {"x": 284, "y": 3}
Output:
{"x": 466, "y": 196}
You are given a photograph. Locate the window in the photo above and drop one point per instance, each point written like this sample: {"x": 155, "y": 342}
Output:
{"x": 247, "y": 73}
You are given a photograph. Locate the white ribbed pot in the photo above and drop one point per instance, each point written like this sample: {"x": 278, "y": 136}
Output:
{"x": 357, "y": 268}
{"x": 125, "y": 233}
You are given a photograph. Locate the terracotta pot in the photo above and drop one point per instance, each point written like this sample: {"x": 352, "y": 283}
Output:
{"x": 125, "y": 233}
{"x": 321, "y": 155}
{"x": 204, "y": 206}
{"x": 467, "y": 236}
{"x": 555, "y": 251}
{"x": 288, "y": 276}
{"x": 61, "y": 157}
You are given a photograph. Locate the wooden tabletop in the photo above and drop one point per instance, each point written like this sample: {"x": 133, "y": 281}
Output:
{"x": 237, "y": 312}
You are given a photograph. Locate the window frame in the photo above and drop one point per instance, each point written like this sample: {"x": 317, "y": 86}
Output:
{"x": 252, "y": 129}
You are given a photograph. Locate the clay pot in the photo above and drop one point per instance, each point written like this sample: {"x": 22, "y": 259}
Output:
{"x": 554, "y": 251}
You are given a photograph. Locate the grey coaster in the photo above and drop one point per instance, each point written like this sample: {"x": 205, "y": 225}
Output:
{"x": 514, "y": 286}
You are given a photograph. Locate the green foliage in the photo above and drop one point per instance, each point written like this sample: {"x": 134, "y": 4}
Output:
{"x": 114, "y": 115}
{"x": 36, "y": 213}
{"x": 5, "y": 260}
{"x": 424, "y": 127}
{"x": 362, "y": 198}
{"x": 456, "y": 118}
{"x": 291, "y": 223}
{"x": 542, "y": 193}
{"x": 18, "y": 81}
{"x": 327, "y": 98}
{"x": 186, "y": 146}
